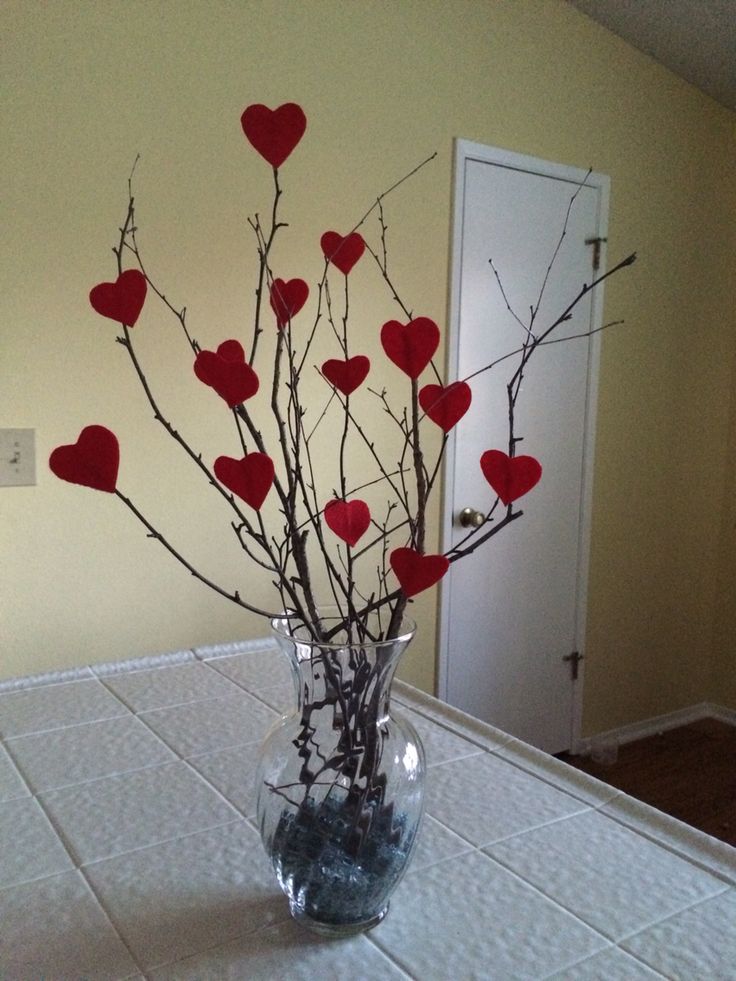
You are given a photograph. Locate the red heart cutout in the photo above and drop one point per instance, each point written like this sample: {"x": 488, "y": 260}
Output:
{"x": 122, "y": 300}
{"x": 417, "y": 572}
{"x": 274, "y": 132}
{"x": 249, "y": 478}
{"x": 411, "y": 346}
{"x": 446, "y": 406}
{"x": 347, "y": 375}
{"x": 342, "y": 252}
{"x": 227, "y": 372}
{"x": 92, "y": 461}
{"x": 231, "y": 351}
{"x": 287, "y": 299}
{"x": 510, "y": 477}
{"x": 348, "y": 519}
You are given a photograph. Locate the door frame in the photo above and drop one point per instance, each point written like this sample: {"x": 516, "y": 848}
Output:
{"x": 466, "y": 150}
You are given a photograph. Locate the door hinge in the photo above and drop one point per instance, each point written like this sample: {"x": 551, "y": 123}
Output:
{"x": 596, "y": 243}
{"x": 575, "y": 658}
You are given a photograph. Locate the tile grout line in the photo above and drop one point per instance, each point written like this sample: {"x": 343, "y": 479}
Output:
{"x": 63, "y": 728}
{"x": 535, "y": 889}
{"x": 547, "y": 778}
{"x": 158, "y": 708}
{"x": 680, "y": 851}
{"x": 392, "y": 958}
{"x": 220, "y": 943}
{"x": 678, "y": 912}
{"x": 242, "y": 686}
{"x": 69, "y": 848}
{"x": 516, "y": 834}
{"x": 551, "y": 899}
{"x": 610, "y": 947}
{"x": 649, "y": 967}
{"x": 238, "y": 691}
{"x": 455, "y": 759}
{"x": 497, "y": 750}
{"x": 77, "y": 860}
{"x": 454, "y": 726}
{"x": 70, "y": 725}
{"x": 111, "y": 920}
{"x": 611, "y": 939}
{"x": 149, "y": 727}
{"x": 243, "y": 819}
{"x": 237, "y": 819}
{"x": 52, "y": 824}
{"x": 21, "y": 773}
{"x": 105, "y": 776}
{"x": 215, "y": 789}
{"x": 479, "y": 853}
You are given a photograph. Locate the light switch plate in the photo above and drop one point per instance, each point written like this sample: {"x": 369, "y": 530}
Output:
{"x": 17, "y": 457}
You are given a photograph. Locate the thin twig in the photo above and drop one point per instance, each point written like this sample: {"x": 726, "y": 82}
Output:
{"x": 234, "y": 597}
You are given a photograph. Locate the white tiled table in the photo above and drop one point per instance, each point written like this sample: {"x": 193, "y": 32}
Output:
{"x": 128, "y": 848}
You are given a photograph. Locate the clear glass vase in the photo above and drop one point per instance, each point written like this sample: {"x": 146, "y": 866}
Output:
{"x": 340, "y": 781}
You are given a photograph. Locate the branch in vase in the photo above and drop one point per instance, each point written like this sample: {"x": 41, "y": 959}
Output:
{"x": 397, "y": 184}
{"x": 129, "y": 231}
{"x": 457, "y": 552}
{"x": 541, "y": 341}
{"x": 385, "y": 475}
{"x": 264, "y": 250}
{"x": 418, "y": 459}
{"x": 314, "y": 512}
{"x": 234, "y": 596}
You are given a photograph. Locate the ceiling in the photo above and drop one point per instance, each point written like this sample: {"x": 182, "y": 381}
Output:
{"x": 696, "y": 39}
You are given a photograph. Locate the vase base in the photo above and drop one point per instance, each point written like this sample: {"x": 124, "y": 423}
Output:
{"x": 335, "y": 930}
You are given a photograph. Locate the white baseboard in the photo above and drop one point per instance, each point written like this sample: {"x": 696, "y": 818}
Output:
{"x": 657, "y": 724}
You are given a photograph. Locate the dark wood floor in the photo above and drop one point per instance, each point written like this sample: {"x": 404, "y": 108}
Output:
{"x": 688, "y": 772}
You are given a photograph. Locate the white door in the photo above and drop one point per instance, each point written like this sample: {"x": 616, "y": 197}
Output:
{"x": 513, "y": 612}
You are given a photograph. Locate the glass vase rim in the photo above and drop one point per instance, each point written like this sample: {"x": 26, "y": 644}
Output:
{"x": 406, "y": 633}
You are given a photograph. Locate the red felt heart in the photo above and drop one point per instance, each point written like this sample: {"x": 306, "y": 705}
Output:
{"x": 249, "y": 478}
{"x": 287, "y": 299}
{"x": 446, "y": 406}
{"x": 411, "y": 346}
{"x": 231, "y": 351}
{"x": 274, "y": 132}
{"x": 342, "y": 252}
{"x": 122, "y": 300}
{"x": 417, "y": 572}
{"x": 227, "y": 371}
{"x": 510, "y": 477}
{"x": 347, "y": 375}
{"x": 92, "y": 461}
{"x": 348, "y": 519}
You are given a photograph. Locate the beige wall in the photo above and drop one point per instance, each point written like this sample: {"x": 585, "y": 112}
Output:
{"x": 724, "y": 649}
{"x": 89, "y": 85}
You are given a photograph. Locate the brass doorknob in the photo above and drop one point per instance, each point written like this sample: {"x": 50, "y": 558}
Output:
{"x": 470, "y": 518}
